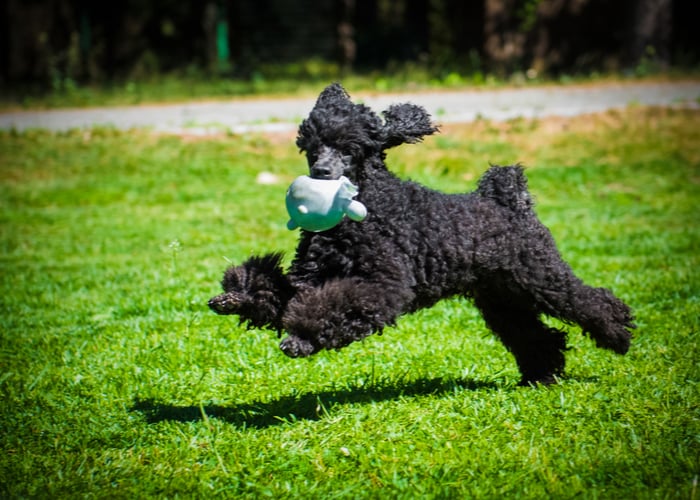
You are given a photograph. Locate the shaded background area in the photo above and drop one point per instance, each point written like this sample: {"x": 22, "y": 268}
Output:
{"x": 55, "y": 42}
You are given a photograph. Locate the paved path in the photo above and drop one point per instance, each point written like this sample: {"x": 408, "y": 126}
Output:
{"x": 284, "y": 114}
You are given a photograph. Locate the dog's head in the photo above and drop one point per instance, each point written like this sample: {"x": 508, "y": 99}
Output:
{"x": 339, "y": 135}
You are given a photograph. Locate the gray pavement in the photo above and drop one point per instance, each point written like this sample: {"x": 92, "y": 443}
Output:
{"x": 243, "y": 115}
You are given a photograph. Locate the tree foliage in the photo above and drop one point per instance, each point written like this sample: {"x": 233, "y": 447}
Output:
{"x": 54, "y": 41}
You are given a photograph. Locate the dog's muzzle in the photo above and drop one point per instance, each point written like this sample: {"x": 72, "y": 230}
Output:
{"x": 330, "y": 164}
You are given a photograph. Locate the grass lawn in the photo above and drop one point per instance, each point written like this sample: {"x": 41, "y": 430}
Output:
{"x": 118, "y": 382}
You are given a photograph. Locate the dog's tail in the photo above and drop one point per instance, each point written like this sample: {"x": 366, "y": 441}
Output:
{"x": 507, "y": 186}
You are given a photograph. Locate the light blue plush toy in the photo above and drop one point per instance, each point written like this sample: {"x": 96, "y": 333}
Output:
{"x": 318, "y": 205}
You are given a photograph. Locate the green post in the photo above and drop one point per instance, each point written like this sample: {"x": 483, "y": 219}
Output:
{"x": 222, "y": 47}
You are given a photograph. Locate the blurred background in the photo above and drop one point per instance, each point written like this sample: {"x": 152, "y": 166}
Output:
{"x": 63, "y": 44}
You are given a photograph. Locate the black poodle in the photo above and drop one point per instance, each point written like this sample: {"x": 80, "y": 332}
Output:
{"x": 415, "y": 247}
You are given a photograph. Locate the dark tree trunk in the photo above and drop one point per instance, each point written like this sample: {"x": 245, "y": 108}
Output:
{"x": 345, "y": 33}
{"x": 652, "y": 27}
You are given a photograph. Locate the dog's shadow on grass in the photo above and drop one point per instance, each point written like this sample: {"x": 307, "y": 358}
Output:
{"x": 305, "y": 406}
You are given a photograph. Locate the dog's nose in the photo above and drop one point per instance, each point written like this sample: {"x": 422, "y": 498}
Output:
{"x": 321, "y": 172}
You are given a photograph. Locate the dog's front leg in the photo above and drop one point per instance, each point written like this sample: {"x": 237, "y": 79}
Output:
{"x": 340, "y": 312}
{"x": 257, "y": 291}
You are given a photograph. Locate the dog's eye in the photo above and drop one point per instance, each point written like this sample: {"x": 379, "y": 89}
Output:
{"x": 347, "y": 159}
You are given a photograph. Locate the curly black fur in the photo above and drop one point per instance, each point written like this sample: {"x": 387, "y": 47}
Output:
{"x": 415, "y": 247}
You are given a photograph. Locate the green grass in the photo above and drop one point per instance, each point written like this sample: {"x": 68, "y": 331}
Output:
{"x": 118, "y": 382}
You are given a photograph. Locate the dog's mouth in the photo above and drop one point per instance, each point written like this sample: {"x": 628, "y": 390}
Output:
{"x": 324, "y": 176}
{"x": 327, "y": 172}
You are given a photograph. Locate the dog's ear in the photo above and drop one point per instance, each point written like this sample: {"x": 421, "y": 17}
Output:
{"x": 406, "y": 123}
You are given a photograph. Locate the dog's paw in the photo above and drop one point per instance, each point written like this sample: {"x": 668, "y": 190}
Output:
{"x": 296, "y": 347}
{"x": 226, "y": 303}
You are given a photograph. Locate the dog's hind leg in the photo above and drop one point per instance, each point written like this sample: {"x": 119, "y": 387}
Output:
{"x": 537, "y": 348}
{"x": 601, "y": 315}
{"x": 553, "y": 289}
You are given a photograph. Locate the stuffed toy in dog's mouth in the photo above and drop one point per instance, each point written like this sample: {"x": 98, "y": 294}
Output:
{"x": 319, "y": 205}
